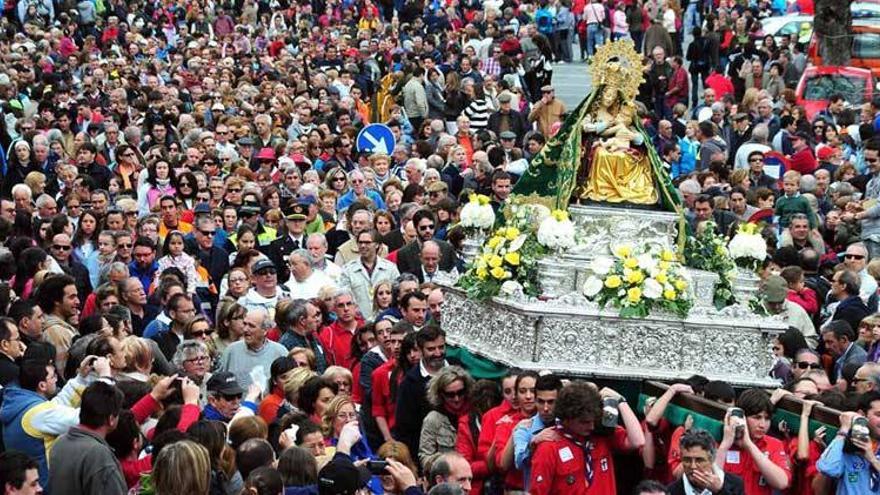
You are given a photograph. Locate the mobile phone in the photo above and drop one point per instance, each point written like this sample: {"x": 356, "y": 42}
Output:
{"x": 860, "y": 431}
{"x": 377, "y": 467}
{"x": 736, "y": 412}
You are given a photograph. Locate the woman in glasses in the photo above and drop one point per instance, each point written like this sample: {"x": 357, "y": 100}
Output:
{"x": 337, "y": 181}
{"x": 449, "y": 396}
{"x": 129, "y": 162}
{"x": 785, "y": 347}
{"x": 193, "y": 360}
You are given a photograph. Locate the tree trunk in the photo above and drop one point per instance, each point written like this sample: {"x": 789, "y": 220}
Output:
{"x": 832, "y": 26}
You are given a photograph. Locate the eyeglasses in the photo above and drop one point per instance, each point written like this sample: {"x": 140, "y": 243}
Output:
{"x": 197, "y": 359}
{"x": 854, "y": 256}
{"x": 209, "y": 233}
{"x": 339, "y": 179}
{"x": 61, "y": 247}
{"x": 124, "y": 246}
{"x": 426, "y": 227}
{"x": 454, "y": 394}
{"x": 804, "y": 365}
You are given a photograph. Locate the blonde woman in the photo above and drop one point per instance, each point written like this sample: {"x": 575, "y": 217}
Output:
{"x": 339, "y": 413}
{"x": 449, "y": 395}
{"x": 182, "y": 467}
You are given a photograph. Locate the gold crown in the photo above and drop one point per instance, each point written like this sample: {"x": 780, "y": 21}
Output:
{"x": 617, "y": 64}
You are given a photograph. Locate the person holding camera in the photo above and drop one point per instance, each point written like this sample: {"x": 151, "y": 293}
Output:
{"x": 747, "y": 451}
{"x": 851, "y": 459}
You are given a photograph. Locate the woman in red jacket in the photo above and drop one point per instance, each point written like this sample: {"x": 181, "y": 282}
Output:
{"x": 485, "y": 396}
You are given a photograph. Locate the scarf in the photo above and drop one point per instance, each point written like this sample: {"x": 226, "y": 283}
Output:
{"x": 690, "y": 490}
{"x": 162, "y": 182}
{"x": 586, "y": 447}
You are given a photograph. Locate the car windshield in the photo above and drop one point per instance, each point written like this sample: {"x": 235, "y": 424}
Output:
{"x": 866, "y": 45}
{"x": 822, "y": 86}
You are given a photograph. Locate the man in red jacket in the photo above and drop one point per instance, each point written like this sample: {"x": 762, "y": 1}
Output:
{"x": 803, "y": 160}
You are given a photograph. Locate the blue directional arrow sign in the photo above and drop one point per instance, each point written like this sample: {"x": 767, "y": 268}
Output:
{"x": 376, "y": 138}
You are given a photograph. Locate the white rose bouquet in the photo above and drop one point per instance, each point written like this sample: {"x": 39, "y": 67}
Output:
{"x": 747, "y": 248}
{"x": 556, "y": 232}
{"x": 477, "y": 215}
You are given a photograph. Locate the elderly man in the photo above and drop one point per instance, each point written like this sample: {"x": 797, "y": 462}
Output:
{"x": 265, "y": 291}
{"x": 844, "y": 300}
{"x": 363, "y": 273}
{"x": 359, "y": 192}
{"x": 300, "y": 321}
{"x": 408, "y": 258}
{"x": 867, "y": 378}
{"x": 775, "y": 294}
{"x": 856, "y": 260}
{"x": 61, "y": 249}
{"x": 698, "y": 450}
{"x": 839, "y": 339}
{"x": 316, "y": 244}
{"x": 244, "y": 358}
{"x": 305, "y": 282}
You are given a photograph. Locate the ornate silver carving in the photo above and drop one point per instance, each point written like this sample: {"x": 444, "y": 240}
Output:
{"x": 745, "y": 285}
{"x": 702, "y": 286}
{"x": 601, "y": 228}
{"x": 571, "y": 335}
{"x": 471, "y": 247}
{"x": 555, "y": 277}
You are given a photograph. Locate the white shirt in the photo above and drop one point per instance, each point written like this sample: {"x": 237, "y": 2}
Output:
{"x": 309, "y": 288}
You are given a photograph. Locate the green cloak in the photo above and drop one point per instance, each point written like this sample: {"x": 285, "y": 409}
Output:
{"x": 553, "y": 174}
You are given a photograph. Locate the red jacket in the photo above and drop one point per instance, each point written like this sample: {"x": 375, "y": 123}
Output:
{"x": 559, "y": 467}
{"x": 740, "y": 463}
{"x": 678, "y": 87}
{"x": 803, "y": 161}
{"x": 487, "y": 428}
{"x": 806, "y": 299}
{"x": 466, "y": 445}
{"x": 336, "y": 340}
{"x": 383, "y": 406}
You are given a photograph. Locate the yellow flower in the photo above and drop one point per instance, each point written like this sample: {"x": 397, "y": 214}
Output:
{"x": 512, "y": 258}
{"x": 720, "y": 251}
{"x": 473, "y": 198}
{"x": 512, "y": 233}
{"x": 494, "y": 241}
{"x": 560, "y": 215}
{"x": 667, "y": 255}
{"x": 482, "y": 273}
{"x": 623, "y": 251}
{"x": 498, "y": 272}
{"x": 680, "y": 284}
{"x": 613, "y": 282}
{"x": 669, "y": 294}
{"x": 662, "y": 277}
{"x": 635, "y": 277}
{"x": 634, "y": 295}
{"x": 664, "y": 265}
{"x": 483, "y": 199}
{"x": 630, "y": 262}
{"x": 495, "y": 261}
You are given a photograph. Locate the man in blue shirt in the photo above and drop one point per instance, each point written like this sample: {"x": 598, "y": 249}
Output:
{"x": 546, "y": 389}
{"x": 857, "y": 472}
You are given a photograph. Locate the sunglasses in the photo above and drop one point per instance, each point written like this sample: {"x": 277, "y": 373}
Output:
{"x": 209, "y": 233}
{"x": 125, "y": 246}
{"x": 455, "y": 394}
{"x": 231, "y": 397}
{"x": 265, "y": 272}
{"x": 804, "y": 365}
{"x": 235, "y": 191}
{"x": 854, "y": 256}
{"x": 61, "y": 248}
{"x": 184, "y": 184}
{"x": 200, "y": 333}
{"x": 426, "y": 227}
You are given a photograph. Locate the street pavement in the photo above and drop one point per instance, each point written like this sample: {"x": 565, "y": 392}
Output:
{"x": 572, "y": 83}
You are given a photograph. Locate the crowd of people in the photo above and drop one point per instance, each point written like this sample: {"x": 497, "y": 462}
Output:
{"x": 206, "y": 288}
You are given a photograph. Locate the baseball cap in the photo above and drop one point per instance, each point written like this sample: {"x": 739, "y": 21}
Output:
{"x": 266, "y": 154}
{"x": 262, "y": 264}
{"x": 826, "y": 152}
{"x": 341, "y": 477}
{"x": 775, "y": 289}
{"x": 225, "y": 383}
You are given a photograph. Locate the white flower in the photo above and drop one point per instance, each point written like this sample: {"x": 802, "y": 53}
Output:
{"x": 518, "y": 242}
{"x": 652, "y": 289}
{"x": 477, "y": 216}
{"x": 511, "y": 287}
{"x": 647, "y": 262}
{"x": 748, "y": 246}
{"x": 555, "y": 234}
{"x": 601, "y": 265}
{"x": 592, "y": 287}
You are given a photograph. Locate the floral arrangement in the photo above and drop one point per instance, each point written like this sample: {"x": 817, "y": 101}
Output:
{"x": 747, "y": 248}
{"x": 477, "y": 215}
{"x": 708, "y": 251}
{"x": 556, "y": 232}
{"x": 507, "y": 262}
{"x": 639, "y": 280}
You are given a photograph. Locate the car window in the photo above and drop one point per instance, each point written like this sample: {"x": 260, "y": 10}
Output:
{"x": 821, "y": 87}
{"x": 866, "y": 45}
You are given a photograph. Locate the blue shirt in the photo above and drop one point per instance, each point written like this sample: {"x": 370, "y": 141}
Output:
{"x": 145, "y": 276}
{"x": 852, "y": 472}
{"x": 522, "y": 456}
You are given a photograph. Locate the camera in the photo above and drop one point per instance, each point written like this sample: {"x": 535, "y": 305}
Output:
{"x": 736, "y": 412}
{"x": 377, "y": 467}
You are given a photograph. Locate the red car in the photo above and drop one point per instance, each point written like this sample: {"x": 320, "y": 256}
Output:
{"x": 820, "y": 83}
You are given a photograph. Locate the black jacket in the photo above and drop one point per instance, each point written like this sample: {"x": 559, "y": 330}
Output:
{"x": 516, "y": 123}
{"x": 733, "y": 485}
{"x": 280, "y": 249}
{"x": 409, "y": 259}
{"x": 412, "y": 407}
